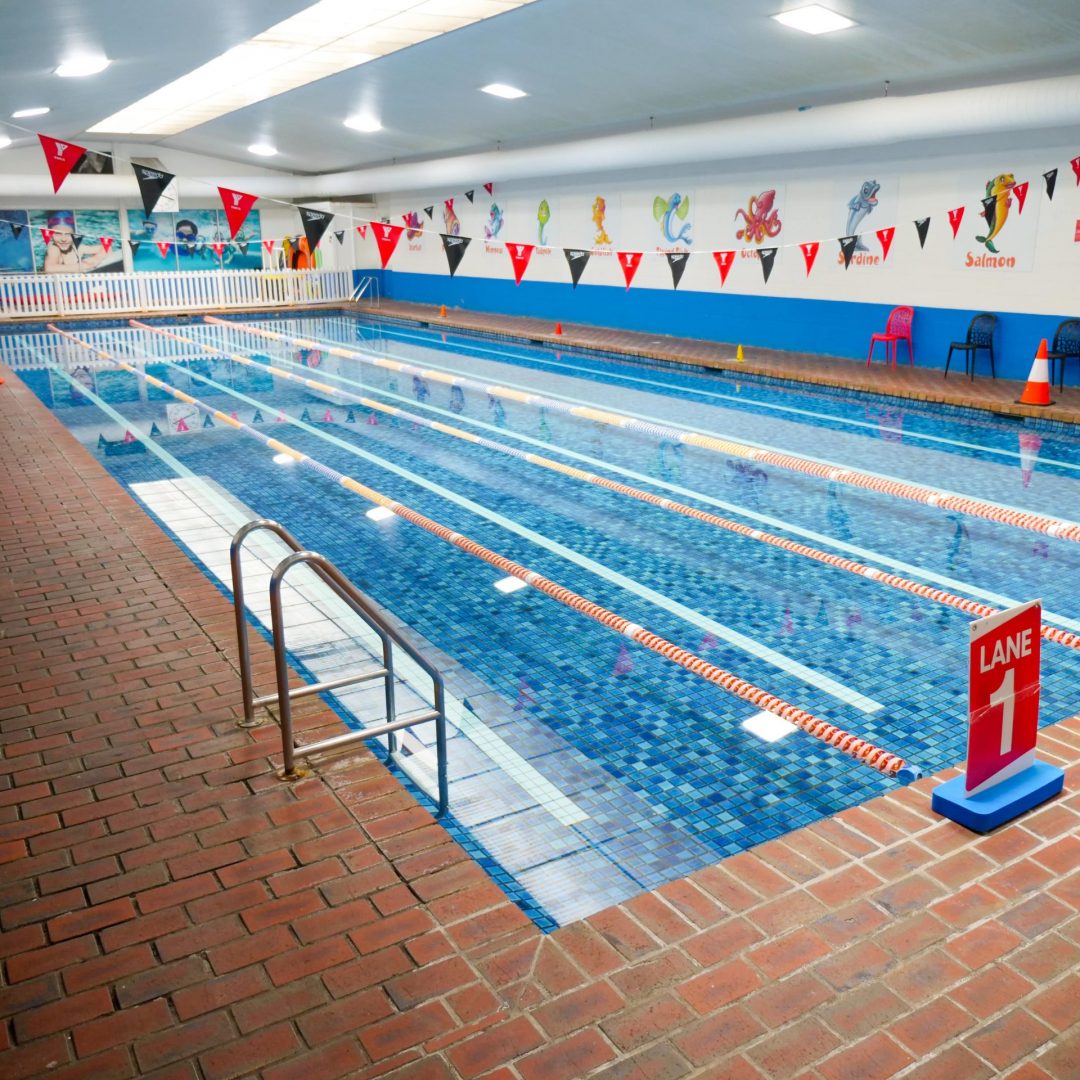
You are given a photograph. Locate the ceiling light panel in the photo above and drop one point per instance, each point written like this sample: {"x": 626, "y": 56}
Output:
{"x": 327, "y": 38}
{"x": 814, "y": 19}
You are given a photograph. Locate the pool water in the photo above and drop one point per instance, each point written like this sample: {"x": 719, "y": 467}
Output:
{"x": 584, "y": 767}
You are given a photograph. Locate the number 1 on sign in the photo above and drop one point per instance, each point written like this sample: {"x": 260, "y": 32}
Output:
{"x": 1004, "y": 695}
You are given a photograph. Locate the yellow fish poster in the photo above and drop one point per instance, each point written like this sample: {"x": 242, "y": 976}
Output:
{"x": 1000, "y": 224}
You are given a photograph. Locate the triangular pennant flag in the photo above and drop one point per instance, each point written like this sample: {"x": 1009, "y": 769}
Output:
{"x": 1075, "y": 163}
{"x": 208, "y": 421}
{"x": 520, "y": 254}
{"x": 218, "y": 248}
{"x": 1051, "y": 179}
{"x": 102, "y": 442}
{"x": 269, "y": 245}
{"x": 77, "y": 239}
{"x": 988, "y": 205}
{"x": 163, "y": 246}
{"x": 809, "y": 254}
{"x": 922, "y": 227}
{"x": 328, "y": 417}
{"x": 106, "y": 242}
{"x": 155, "y": 431}
{"x": 623, "y": 664}
{"x": 489, "y": 188}
{"x": 469, "y": 194}
{"x": 340, "y": 234}
{"x": 847, "y": 248}
{"x": 305, "y": 415}
{"x": 454, "y": 246}
{"x": 258, "y": 417}
{"x": 725, "y": 260}
{"x": 767, "y": 257}
{"x": 885, "y": 237}
{"x": 16, "y": 229}
{"x": 232, "y": 414}
{"x": 677, "y": 261}
{"x": 362, "y": 230}
{"x": 955, "y": 217}
{"x": 315, "y": 223}
{"x": 181, "y": 426}
{"x": 387, "y": 237}
{"x": 134, "y": 245}
{"x": 577, "y": 259}
{"x": 128, "y": 437}
{"x": 46, "y": 236}
{"x": 430, "y": 211}
{"x": 629, "y": 261}
{"x": 372, "y": 419}
{"x": 237, "y": 204}
{"x": 152, "y": 183}
{"x": 61, "y": 157}
{"x": 1020, "y": 191}
{"x": 280, "y": 418}
{"x": 350, "y": 417}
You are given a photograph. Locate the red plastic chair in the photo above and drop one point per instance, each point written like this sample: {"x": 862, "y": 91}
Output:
{"x": 898, "y": 328}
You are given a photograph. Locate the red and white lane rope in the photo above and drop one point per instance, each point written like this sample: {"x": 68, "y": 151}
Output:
{"x": 860, "y": 749}
{"x": 895, "y": 581}
{"x": 900, "y": 489}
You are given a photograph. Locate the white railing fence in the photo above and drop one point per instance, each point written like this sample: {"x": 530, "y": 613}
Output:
{"x": 105, "y": 294}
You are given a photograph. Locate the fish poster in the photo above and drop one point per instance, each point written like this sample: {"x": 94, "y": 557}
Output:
{"x": 185, "y": 241}
{"x": 865, "y": 201}
{"x": 1000, "y": 224}
{"x": 76, "y": 241}
{"x": 546, "y": 220}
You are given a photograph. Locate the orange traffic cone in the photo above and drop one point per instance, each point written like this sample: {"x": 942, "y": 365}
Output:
{"x": 442, "y": 311}
{"x": 1037, "y": 391}
{"x": 558, "y": 329}
{"x": 1029, "y": 455}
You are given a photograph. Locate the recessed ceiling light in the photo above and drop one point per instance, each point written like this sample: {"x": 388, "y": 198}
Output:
{"x": 4, "y": 141}
{"x": 284, "y": 459}
{"x": 363, "y": 123}
{"x": 380, "y": 513}
{"x": 510, "y": 584}
{"x": 498, "y": 89}
{"x": 814, "y": 19}
{"x": 76, "y": 67}
{"x": 768, "y": 726}
{"x": 23, "y": 113}
{"x": 262, "y": 149}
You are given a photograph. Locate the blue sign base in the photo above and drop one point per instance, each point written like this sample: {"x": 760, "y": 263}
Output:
{"x": 1000, "y": 803}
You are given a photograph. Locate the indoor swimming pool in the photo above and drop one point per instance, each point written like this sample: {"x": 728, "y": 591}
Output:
{"x": 818, "y": 545}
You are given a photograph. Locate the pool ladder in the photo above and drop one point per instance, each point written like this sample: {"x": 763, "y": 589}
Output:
{"x": 375, "y": 619}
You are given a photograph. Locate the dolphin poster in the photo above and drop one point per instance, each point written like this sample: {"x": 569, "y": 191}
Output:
{"x": 866, "y": 202}
{"x": 999, "y": 230}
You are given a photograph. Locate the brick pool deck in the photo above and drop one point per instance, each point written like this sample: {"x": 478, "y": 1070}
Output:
{"x": 169, "y": 908}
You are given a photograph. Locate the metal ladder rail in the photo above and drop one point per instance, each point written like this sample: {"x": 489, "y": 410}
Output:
{"x": 366, "y": 610}
{"x": 362, "y": 287}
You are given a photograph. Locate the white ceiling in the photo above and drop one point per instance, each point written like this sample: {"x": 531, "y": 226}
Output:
{"x": 590, "y": 67}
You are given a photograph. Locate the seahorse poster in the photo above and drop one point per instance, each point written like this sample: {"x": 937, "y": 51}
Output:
{"x": 865, "y": 201}
{"x": 673, "y": 212}
{"x": 998, "y": 230}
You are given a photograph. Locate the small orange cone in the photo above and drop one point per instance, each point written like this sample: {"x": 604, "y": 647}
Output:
{"x": 1037, "y": 391}
{"x": 442, "y": 311}
{"x": 558, "y": 329}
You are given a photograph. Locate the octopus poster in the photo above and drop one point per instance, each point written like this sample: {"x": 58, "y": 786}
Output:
{"x": 757, "y": 220}
{"x": 999, "y": 228}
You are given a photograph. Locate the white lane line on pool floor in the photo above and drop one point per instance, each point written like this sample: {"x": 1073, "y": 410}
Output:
{"x": 863, "y": 554}
{"x": 747, "y": 644}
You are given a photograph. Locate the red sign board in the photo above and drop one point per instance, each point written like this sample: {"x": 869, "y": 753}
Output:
{"x": 1003, "y": 710}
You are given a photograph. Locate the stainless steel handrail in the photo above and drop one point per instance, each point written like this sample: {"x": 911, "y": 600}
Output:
{"x": 367, "y": 610}
{"x": 362, "y": 286}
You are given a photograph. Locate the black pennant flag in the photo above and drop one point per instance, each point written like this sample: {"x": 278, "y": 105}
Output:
{"x": 430, "y": 211}
{"x": 767, "y": 257}
{"x": 469, "y": 194}
{"x": 134, "y": 245}
{"x": 243, "y": 246}
{"x": 340, "y": 234}
{"x": 1051, "y": 179}
{"x": 315, "y": 223}
{"x": 677, "y": 261}
{"x": 16, "y": 229}
{"x": 152, "y": 183}
{"x": 847, "y": 249}
{"x": 577, "y": 259}
{"x": 454, "y": 246}
{"x": 989, "y": 205}
{"x": 922, "y": 227}
{"x": 77, "y": 239}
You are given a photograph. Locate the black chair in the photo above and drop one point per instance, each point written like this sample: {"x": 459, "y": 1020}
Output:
{"x": 980, "y": 335}
{"x": 1066, "y": 344}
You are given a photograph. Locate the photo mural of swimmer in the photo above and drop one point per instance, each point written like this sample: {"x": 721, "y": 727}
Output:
{"x": 191, "y": 236}
{"x": 76, "y": 242}
{"x": 16, "y": 252}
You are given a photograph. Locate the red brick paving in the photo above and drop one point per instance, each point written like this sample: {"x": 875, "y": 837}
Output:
{"x": 168, "y": 907}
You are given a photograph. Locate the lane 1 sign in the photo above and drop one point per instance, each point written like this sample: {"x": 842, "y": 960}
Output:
{"x": 1003, "y": 777}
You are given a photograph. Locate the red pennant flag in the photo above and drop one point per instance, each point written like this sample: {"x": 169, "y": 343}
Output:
{"x": 520, "y": 254}
{"x": 809, "y": 253}
{"x": 61, "y": 158}
{"x": 387, "y": 237}
{"x": 885, "y": 239}
{"x": 489, "y": 188}
{"x": 163, "y": 246}
{"x": 1020, "y": 191}
{"x": 181, "y": 426}
{"x": 237, "y": 205}
{"x": 725, "y": 260}
{"x": 629, "y": 261}
{"x": 128, "y": 437}
{"x": 218, "y": 248}
{"x": 362, "y": 230}
{"x": 1075, "y": 163}
{"x": 106, "y": 243}
{"x": 955, "y": 217}
{"x": 46, "y": 236}
{"x": 269, "y": 245}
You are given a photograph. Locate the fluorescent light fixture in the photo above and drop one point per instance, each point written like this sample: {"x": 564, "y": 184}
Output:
{"x": 4, "y": 141}
{"x": 75, "y": 67}
{"x": 380, "y": 513}
{"x": 498, "y": 89}
{"x": 367, "y": 124}
{"x": 262, "y": 149}
{"x": 510, "y": 584}
{"x": 321, "y": 40}
{"x": 768, "y": 726}
{"x": 814, "y": 19}
{"x": 22, "y": 114}
{"x": 284, "y": 459}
